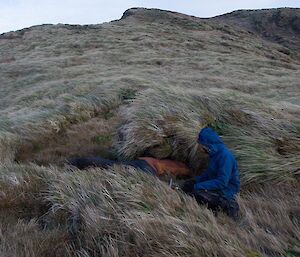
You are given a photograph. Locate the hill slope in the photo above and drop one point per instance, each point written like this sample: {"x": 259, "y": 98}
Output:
{"x": 280, "y": 25}
{"x": 145, "y": 85}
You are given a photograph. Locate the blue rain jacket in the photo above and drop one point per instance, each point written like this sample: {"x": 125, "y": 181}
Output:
{"x": 222, "y": 174}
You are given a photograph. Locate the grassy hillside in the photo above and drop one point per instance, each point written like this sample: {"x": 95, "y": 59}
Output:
{"x": 145, "y": 85}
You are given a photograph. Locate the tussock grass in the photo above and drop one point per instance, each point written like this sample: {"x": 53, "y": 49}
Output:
{"x": 8, "y": 142}
{"x": 125, "y": 212}
{"x": 265, "y": 143}
{"x": 28, "y": 240}
{"x": 91, "y": 137}
{"x": 138, "y": 87}
{"x": 21, "y": 187}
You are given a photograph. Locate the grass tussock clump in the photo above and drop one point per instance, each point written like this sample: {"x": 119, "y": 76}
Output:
{"x": 168, "y": 121}
{"x": 91, "y": 137}
{"x": 22, "y": 206}
{"x": 29, "y": 240}
{"x": 8, "y": 142}
{"x": 125, "y": 212}
{"x": 37, "y": 127}
{"x": 21, "y": 188}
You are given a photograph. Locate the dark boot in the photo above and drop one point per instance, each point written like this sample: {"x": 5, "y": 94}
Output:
{"x": 209, "y": 198}
{"x": 230, "y": 207}
{"x": 233, "y": 209}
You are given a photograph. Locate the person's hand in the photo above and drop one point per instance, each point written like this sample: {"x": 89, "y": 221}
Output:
{"x": 188, "y": 185}
{"x": 175, "y": 187}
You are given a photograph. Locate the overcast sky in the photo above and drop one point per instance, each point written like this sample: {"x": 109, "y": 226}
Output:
{"x": 18, "y": 14}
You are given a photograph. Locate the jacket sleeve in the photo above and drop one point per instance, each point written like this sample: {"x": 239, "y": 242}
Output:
{"x": 222, "y": 178}
{"x": 204, "y": 176}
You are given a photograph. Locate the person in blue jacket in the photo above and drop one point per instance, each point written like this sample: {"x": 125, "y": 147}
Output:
{"x": 218, "y": 185}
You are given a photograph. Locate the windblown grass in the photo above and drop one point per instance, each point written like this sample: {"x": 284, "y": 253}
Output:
{"x": 125, "y": 212}
{"x": 265, "y": 143}
{"x": 8, "y": 142}
{"x": 138, "y": 87}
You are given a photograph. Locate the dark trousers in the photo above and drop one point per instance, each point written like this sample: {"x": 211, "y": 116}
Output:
{"x": 217, "y": 202}
{"x": 95, "y": 161}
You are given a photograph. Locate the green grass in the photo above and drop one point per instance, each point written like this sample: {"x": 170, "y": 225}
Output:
{"x": 102, "y": 139}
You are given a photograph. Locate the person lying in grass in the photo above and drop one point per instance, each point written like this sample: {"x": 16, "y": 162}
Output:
{"x": 218, "y": 185}
{"x": 150, "y": 165}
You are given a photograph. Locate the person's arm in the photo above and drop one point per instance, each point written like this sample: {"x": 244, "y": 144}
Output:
{"x": 204, "y": 176}
{"x": 222, "y": 179}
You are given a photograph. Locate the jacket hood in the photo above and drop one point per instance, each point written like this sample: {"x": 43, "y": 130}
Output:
{"x": 209, "y": 138}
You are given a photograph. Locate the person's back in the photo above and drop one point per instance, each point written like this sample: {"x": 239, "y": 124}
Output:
{"x": 222, "y": 173}
{"x": 220, "y": 183}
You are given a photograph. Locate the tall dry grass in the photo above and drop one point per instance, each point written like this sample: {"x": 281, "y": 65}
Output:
{"x": 125, "y": 212}
{"x": 138, "y": 87}
{"x": 264, "y": 141}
